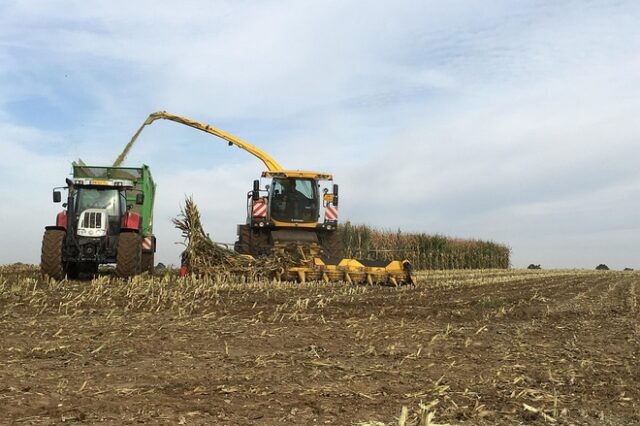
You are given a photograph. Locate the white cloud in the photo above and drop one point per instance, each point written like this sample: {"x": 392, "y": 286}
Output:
{"x": 493, "y": 119}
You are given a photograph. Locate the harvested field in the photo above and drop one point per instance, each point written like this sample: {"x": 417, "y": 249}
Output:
{"x": 462, "y": 347}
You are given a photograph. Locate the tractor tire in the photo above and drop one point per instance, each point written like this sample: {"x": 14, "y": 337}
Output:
{"x": 51, "y": 263}
{"x": 129, "y": 257}
{"x": 147, "y": 262}
{"x": 332, "y": 246}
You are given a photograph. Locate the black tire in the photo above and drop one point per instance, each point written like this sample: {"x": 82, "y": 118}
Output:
{"x": 254, "y": 242}
{"x": 51, "y": 263}
{"x": 332, "y": 246}
{"x": 129, "y": 257}
{"x": 147, "y": 262}
{"x": 243, "y": 245}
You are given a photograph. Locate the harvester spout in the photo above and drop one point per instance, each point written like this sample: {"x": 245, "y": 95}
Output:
{"x": 271, "y": 164}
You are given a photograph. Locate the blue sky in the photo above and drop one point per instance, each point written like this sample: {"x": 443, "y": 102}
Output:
{"x": 502, "y": 120}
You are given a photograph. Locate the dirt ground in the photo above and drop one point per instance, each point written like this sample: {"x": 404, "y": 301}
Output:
{"x": 462, "y": 347}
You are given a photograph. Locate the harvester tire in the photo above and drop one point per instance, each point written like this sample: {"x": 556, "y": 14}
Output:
{"x": 242, "y": 246}
{"x": 147, "y": 262}
{"x": 259, "y": 242}
{"x": 51, "y": 263}
{"x": 129, "y": 258}
{"x": 332, "y": 245}
{"x": 253, "y": 242}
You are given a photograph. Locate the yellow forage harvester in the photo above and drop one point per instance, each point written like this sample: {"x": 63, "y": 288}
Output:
{"x": 283, "y": 227}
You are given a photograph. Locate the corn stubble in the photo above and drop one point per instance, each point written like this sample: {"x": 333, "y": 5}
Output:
{"x": 544, "y": 340}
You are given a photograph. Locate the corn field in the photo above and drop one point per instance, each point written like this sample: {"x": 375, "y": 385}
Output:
{"x": 422, "y": 250}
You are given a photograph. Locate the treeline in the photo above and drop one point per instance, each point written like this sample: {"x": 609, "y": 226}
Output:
{"x": 422, "y": 250}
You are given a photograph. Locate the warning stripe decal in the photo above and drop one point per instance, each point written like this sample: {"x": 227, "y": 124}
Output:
{"x": 330, "y": 213}
{"x": 147, "y": 243}
{"x": 259, "y": 208}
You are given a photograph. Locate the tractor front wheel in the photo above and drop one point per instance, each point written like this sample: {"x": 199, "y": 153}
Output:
{"x": 129, "y": 257}
{"x": 51, "y": 263}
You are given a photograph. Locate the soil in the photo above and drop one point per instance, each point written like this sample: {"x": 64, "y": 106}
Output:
{"x": 469, "y": 347}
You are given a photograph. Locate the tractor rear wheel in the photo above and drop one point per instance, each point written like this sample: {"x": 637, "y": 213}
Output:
{"x": 129, "y": 257}
{"x": 51, "y": 263}
{"x": 147, "y": 262}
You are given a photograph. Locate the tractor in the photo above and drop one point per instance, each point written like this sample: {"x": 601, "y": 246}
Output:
{"x": 107, "y": 219}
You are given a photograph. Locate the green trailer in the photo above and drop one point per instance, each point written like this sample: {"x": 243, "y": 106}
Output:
{"x": 108, "y": 219}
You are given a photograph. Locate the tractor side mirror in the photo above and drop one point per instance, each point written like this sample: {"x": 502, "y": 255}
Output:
{"x": 57, "y": 197}
{"x": 255, "y": 194}
{"x": 335, "y": 194}
{"x": 139, "y": 198}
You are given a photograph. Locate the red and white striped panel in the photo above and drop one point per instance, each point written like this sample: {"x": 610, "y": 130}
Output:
{"x": 147, "y": 243}
{"x": 259, "y": 208}
{"x": 330, "y": 213}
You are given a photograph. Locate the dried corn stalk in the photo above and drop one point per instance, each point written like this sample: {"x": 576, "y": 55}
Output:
{"x": 204, "y": 257}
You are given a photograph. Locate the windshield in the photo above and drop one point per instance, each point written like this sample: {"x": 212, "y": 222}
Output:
{"x": 91, "y": 198}
{"x": 294, "y": 200}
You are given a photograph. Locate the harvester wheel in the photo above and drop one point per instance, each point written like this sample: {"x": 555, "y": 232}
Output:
{"x": 332, "y": 245}
{"x": 128, "y": 261}
{"x": 244, "y": 238}
{"x": 51, "y": 263}
{"x": 147, "y": 262}
{"x": 260, "y": 245}
{"x": 253, "y": 242}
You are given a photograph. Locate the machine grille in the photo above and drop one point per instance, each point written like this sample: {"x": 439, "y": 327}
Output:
{"x": 92, "y": 220}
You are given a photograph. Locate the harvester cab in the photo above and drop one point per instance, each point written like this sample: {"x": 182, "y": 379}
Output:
{"x": 107, "y": 219}
{"x": 285, "y": 213}
{"x": 293, "y": 198}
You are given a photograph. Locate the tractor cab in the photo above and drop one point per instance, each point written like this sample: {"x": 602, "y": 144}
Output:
{"x": 99, "y": 210}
